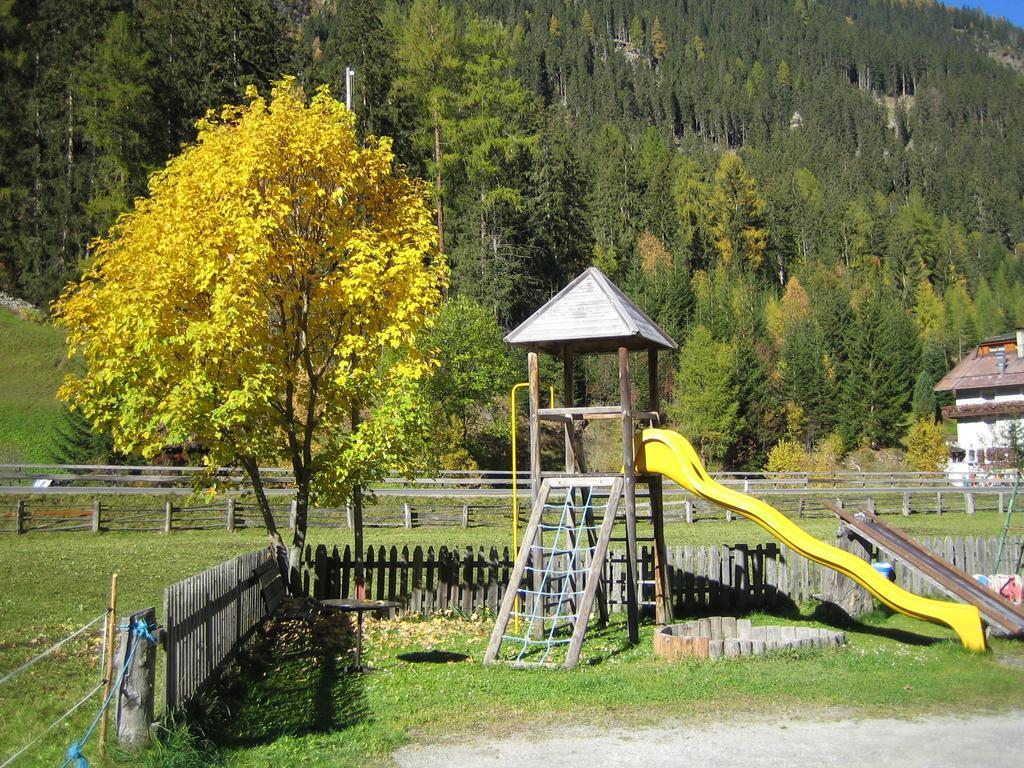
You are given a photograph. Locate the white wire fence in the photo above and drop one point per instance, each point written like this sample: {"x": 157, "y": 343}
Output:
{"x": 86, "y": 630}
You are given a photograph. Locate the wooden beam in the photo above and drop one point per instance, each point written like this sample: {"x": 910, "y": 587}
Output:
{"x": 654, "y": 396}
{"x": 629, "y": 483}
{"x": 663, "y": 613}
{"x": 568, "y": 400}
{"x": 533, "y": 369}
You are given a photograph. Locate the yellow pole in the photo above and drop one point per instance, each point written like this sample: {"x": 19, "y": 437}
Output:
{"x": 515, "y": 483}
{"x": 108, "y": 671}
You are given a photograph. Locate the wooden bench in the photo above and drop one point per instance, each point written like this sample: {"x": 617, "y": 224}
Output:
{"x": 279, "y": 604}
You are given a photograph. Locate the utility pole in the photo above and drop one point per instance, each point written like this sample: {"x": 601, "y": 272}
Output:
{"x": 350, "y": 75}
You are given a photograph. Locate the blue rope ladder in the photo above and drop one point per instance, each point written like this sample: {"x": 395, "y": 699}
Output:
{"x": 562, "y": 579}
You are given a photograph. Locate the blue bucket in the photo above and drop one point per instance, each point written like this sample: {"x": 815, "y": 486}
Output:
{"x": 885, "y": 569}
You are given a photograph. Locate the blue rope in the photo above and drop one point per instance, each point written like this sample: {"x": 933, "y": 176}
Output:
{"x": 549, "y": 574}
{"x": 74, "y": 754}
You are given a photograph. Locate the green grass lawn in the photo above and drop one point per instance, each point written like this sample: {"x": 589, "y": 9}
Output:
{"x": 306, "y": 710}
{"x": 32, "y": 365}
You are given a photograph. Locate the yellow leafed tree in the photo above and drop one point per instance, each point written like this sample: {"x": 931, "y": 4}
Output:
{"x": 264, "y": 300}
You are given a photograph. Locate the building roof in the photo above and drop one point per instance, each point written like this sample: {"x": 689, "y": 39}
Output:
{"x": 590, "y": 315}
{"x": 978, "y": 371}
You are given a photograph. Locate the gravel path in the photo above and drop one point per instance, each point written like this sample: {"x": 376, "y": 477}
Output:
{"x": 993, "y": 741}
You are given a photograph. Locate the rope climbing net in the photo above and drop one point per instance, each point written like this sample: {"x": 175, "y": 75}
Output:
{"x": 556, "y": 577}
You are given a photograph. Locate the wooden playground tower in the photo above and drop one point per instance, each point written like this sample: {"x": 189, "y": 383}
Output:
{"x": 559, "y": 573}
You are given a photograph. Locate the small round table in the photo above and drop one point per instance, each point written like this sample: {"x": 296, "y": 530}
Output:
{"x": 358, "y": 607}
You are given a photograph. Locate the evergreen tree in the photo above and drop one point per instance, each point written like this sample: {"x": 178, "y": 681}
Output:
{"x": 705, "y": 404}
{"x": 354, "y": 36}
{"x": 736, "y": 211}
{"x": 879, "y": 374}
{"x": 113, "y": 89}
{"x": 557, "y": 206}
{"x": 76, "y": 442}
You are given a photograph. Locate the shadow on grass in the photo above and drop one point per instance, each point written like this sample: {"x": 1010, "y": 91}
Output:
{"x": 834, "y": 616}
{"x": 293, "y": 682}
{"x": 432, "y": 657}
{"x": 823, "y": 613}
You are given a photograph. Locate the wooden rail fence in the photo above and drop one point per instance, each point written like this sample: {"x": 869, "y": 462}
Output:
{"x": 35, "y": 514}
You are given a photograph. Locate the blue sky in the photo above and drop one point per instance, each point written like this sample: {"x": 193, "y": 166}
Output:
{"x": 1009, "y": 9}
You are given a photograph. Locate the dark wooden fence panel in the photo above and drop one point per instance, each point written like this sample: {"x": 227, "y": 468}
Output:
{"x": 207, "y": 618}
{"x": 716, "y": 578}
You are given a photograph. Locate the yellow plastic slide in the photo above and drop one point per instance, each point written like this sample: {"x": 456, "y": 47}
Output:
{"x": 671, "y": 454}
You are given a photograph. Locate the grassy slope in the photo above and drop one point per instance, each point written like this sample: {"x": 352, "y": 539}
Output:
{"x": 31, "y": 367}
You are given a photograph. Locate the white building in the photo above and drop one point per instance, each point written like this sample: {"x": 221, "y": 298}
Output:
{"x": 988, "y": 386}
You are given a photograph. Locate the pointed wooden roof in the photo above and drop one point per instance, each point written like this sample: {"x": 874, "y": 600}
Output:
{"x": 590, "y": 315}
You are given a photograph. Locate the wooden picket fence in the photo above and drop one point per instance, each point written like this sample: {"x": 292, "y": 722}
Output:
{"x": 715, "y": 578}
{"x": 208, "y": 617}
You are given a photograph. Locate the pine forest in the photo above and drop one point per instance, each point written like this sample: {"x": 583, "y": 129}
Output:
{"x": 822, "y": 201}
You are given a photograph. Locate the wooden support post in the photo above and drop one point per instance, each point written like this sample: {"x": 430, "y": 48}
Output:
{"x": 839, "y": 503}
{"x": 871, "y": 505}
{"x": 537, "y": 561}
{"x": 663, "y": 613}
{"x": 654, "y": 401}
{"x": 533, "y": 366}
{"x": 168, "y": 516}
{"x": 108, "y": 668}
{"x": 688, "y": 510}
{"x": 1000, "y": 502}
{"x": 969, "y": 502}
{"x": 96, "y": 509}
{"x": 135, "y": 697}
{"x": 632, "y": 593}
{"x": 938, "y": 502}
{"x": 19, "y": 517}
{"x": 800, "y": 507}
{"x": 465, "y": 515}
{"x": 567, "y": 401}
{"x": 906, "y": 504}
{"x": 348, "y": 515}
{"x": 293, "y": 515}
{"x": 231, "y": 515}
{"x": 407, "y": 510}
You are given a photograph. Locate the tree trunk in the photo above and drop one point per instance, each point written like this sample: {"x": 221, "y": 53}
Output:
{"x": 438, "y": 184}
{"x": 276, "y": 542}
{"x": 299, "y": 534}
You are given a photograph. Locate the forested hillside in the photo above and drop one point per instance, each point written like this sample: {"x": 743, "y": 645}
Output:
{"x": 822, "y": 201}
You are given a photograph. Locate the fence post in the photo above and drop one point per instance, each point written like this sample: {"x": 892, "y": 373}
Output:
{"x": 96, "y": 516}
{"x": 168, "y": 514}
{"x": 348, "y": 515}
{"x": 839, "y": 503}
{"x": 1000, "y": 503}
{"x": 906, "y": 504}
{"x": 19, "y": 517}
{"x": 938, "y": 502}
{"x": 407, "y": 509}
{"x": 465, "y": 515}
{"x": 871, "y": 505}
{"x": 135, "y": 699}
{"x": 969, "y": 502}
{"x": 800, "y": 507}
{"x": 293, "y": 514}
{"x": 231, "y": 515}
{"x": 688, "y": 510}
